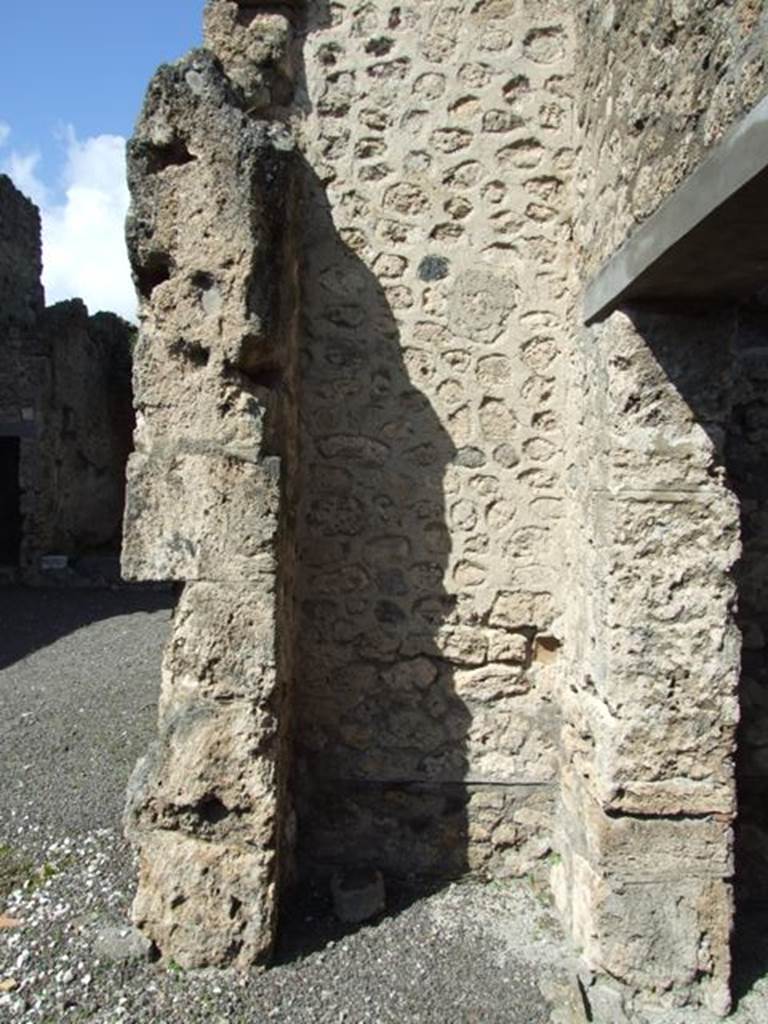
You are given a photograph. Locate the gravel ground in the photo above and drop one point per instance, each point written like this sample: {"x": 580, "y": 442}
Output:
{"x": 78, "y": 687}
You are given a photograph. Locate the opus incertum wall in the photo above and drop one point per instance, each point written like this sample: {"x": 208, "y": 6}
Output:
{"x": 456, "y": 574}
{"x": 435, "y": 302}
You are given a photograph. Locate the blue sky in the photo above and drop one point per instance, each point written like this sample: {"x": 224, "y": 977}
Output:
{"x": 72, "y": 78}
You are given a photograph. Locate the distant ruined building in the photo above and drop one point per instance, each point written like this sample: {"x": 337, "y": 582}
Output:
{"x": 66, "y": 419}
{"x": 452, "y": 429}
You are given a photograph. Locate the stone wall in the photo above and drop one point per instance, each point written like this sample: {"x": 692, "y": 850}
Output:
{"x": 651, "y": 663}
{"x": 22, "y": 372}
{"x": 65, "y": 404}
{"x": 21, "y": 294}
{"x": 436, "y": 314}
{"x": 649, "y": 698}
{"x": 660, "y": 82}
{"x": 211, "y": 494}
{"x": 510, "y": 542}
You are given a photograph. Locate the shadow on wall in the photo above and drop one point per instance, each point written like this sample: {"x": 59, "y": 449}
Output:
{"x": 717, "y": 360}
{"x": 381, "y": 734}
{"x": 746, "y": 462}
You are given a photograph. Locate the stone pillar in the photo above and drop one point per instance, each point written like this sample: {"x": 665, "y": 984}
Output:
{"x": 649, "y": 702}
{"x": 212, "y": 178}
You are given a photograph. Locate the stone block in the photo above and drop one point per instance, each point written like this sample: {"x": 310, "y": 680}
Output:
{"x": 358, "y": 895}
{"x": 213, "y": 773}
{"x": 200, "y": 516}
{"x": 211, "y": 244}
{"x": 224, "y": 644}
{"x": 205, "y": 904}
{"x": 640, "y": 849}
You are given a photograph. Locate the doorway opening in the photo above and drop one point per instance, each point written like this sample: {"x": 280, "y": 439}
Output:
{"x": 10, "y": 501}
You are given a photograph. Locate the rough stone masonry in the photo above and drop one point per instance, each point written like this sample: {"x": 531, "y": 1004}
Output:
{"x": 65, "y": 416}
{"x": 456, "y": 584}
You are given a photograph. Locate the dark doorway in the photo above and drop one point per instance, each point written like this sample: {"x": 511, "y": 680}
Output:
{"x": 10, "y": 501}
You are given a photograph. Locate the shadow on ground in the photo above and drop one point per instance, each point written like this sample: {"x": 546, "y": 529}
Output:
{"x": 32, "y": 618}
{"x": 308, "y": 923}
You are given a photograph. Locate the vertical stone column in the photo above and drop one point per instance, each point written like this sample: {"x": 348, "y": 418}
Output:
{"x": 212, "y": 178}
{"x": 649, "y": 702}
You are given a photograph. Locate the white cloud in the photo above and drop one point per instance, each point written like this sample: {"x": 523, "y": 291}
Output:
{"x": 22, "y": 168}
{"x": 83, "y": 236}
{"x": 5, "y": 131}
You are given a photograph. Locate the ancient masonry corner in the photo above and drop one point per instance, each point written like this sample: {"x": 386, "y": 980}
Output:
{"x": 411, "y": 632}
{"x": 213, "y": 177}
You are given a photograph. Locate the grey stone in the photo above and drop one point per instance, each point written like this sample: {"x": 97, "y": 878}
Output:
{"x": 120, "y": 943}
{"x": 358, "y": 895}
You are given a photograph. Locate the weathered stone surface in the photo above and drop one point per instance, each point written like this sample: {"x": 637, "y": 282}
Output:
{"x": 208, "y": 658}
{"x": 210, "y": 792}
{"x": 230, "y": 533}
{"x": 257, "y": 46}
{"x": 515, "y": 538}
{"x": 205, "y": 904}
{"x": 435, "y": 331}
{"x": 211, "y": 243}
{"x": 648, "y": 899}
{"x": 658, "y": 86}
{"x": 647, "y": 784}
{"x": 118, "y": 943}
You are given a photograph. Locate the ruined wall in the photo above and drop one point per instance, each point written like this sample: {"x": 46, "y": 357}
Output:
{"x": 435, "y": 319}
{"x": 651, "y": 662}
{"x": 21, "y": 294}
{"x": 85, "y": 421}
{"x": 650, "y": 706}
{"x": 22, "y": 372}
{"x": 210, "y": 487}
{"x": 515, "y": 543}
{"x": 65, "y": 394}
{"x": 660, "y": 83}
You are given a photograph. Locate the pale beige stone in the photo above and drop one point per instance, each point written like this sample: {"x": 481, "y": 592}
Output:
{"x": 211, "y": 219}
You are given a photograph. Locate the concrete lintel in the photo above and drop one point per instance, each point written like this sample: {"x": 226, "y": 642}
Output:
{"x": 708, "y": 240}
